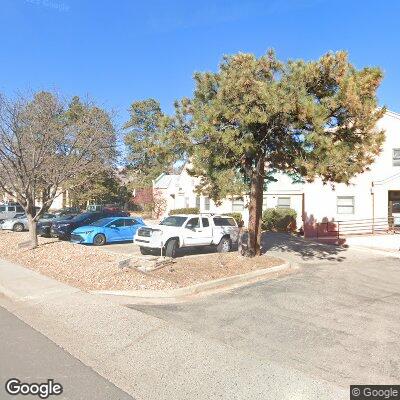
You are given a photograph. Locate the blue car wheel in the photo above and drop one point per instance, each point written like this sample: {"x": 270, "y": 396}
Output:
{"x": 99, "y": 240}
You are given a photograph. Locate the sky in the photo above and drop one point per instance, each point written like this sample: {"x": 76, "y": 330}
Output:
{"x": 116, "y": 52}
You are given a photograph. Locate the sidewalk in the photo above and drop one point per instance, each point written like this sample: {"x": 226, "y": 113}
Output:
{"x": 390, "y": 243}
{"x": 143, "y": 355}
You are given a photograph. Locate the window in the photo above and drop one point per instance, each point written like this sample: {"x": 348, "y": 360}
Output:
{"x": 130, "y": 222}
{"x": 11, "y": 209}
{"x": 396, "y": 207}
{"x": 221, "y": 221}
{"x": 2, "y": 208}
{"x": 206, "y": 222}
{"x": 345, "y": 204}
{"x": 20, "y": 209}
{"x": 396, "y": 157}
{"x": 198, "y": 202}
{"x": 173, "y": 221}
{"x": 265, "y": 204}
{"x": 119, "y": 223}
{"x": 193, "y": 223}
{"x": 283, "y": 202}
{"x": 206, "y": 203}
{"x": 237, "y": 204}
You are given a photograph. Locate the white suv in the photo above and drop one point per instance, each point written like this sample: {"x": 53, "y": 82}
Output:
{"x": 185, "y": 230}
{"x": 8, "y": 211}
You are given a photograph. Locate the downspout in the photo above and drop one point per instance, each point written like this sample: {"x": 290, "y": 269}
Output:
{"x": 373, "y": 207}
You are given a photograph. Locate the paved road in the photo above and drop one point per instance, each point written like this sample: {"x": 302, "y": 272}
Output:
{"x": 31, "y": 357}
{"x": 337, "y": 319}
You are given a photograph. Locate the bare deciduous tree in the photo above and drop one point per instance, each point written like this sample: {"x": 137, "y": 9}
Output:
{"x": 45, "y": 145}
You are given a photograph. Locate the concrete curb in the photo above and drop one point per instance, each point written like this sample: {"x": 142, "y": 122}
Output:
{"x": 209, "y": 287}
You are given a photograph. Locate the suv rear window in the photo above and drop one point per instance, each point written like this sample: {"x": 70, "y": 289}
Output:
{"x": 173, "y": 221}
{"x": 205, "y": 222}
{"x": 220, "y": 221}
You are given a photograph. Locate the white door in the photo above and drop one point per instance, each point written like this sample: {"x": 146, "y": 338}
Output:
{"x": 193, "y": 232}
{"x": 206, "y": 234}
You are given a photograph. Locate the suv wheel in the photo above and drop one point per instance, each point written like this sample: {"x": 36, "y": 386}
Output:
{"x": 225, "y": 245}
{"x": 144, "y": 250}
{"x": 171, "y": 248}
{"x": 18, "y": 227}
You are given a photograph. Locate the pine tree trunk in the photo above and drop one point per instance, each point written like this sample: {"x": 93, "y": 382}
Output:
{"x": 255, "y": 209}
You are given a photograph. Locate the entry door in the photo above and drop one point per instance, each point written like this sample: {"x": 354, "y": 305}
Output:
{"x": 394, "y": 207}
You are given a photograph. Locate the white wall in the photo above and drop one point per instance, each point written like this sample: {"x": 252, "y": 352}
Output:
{"x": 320, "y": 201}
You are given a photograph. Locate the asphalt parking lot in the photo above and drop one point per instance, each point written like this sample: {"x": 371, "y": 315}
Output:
{"x": 336, "y": 320}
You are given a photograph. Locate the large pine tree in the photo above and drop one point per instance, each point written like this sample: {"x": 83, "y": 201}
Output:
{"x": 259, "y": 115}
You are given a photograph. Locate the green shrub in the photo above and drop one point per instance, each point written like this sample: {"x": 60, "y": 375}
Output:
{"x": 279, "y": 219}
{"x": 188, "y": 210}
{"x": 237, "y": 216}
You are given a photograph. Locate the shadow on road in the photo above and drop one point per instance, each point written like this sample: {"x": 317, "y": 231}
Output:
{"x": 306, "y": 249}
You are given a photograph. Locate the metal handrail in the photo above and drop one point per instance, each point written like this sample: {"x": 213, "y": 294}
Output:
{"x": 365, "y": 225}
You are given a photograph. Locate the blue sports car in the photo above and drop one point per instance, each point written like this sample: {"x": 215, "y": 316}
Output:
{"x": 107, "y": 230}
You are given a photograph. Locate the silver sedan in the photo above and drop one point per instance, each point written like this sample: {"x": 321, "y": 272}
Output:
{"x": 20, "y": 222}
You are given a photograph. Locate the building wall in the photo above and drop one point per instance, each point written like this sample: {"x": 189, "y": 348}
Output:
{"x": 56, "y": 205}
{"x": 315, "y": 202}
{"x": 369, "y": 189}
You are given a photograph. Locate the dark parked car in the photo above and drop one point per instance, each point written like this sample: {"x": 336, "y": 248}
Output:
{"x": 68, "y": 211}
{"x": 63, "y": 228}
{"x": 43, "y": 227}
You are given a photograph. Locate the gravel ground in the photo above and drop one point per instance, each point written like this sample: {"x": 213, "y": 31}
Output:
{"x": 89, "y": 268}
{"x": 195, "y": 269}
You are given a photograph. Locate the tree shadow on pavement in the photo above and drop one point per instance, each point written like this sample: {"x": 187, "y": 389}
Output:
{"x": 306, "y": 249}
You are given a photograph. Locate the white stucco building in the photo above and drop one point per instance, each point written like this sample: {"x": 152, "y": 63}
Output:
{"x": 367, "y": 201}
{"x": 58, "y": 203}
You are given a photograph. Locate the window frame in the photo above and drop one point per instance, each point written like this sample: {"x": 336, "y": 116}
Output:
{"x": 205, "y": 219}
{"x": 239, "y": 201}
{"x": 352, "y": 206}
{"x": 116, "y": 223}
{"x": 396, "y": 158}
{"x": 207, "y": 204}
{"x": 194, "y": 227}
{"x": 224, "y": 221}
{"x": 265, "y": 202}
{"x": 283, "y": 206}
